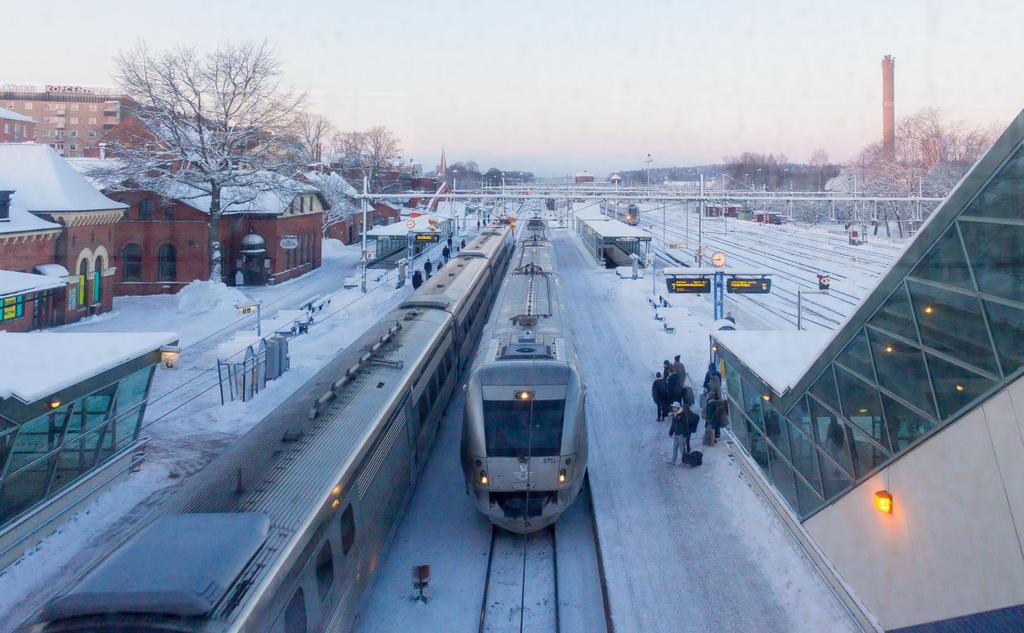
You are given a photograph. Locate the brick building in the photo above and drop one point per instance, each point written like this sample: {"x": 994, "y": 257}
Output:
{"x": 54, "y": 225}
{"x": 70, "y": 119}
{"x": 161, "y": 243}
{"x": 16, "y": 128}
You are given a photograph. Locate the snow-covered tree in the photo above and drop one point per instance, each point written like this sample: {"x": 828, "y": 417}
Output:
{"x": 312, "y": 135}
{"x": 372, "y": 152}
{"x": 206, "y": 123}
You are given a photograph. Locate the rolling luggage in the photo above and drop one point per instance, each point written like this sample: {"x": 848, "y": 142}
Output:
{"x": 693, "y": 458}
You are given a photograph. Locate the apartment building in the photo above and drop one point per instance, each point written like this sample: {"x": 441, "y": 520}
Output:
{"x": 70, "y": 119}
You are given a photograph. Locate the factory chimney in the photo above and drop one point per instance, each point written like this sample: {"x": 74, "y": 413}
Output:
{"x": 888, "y": 110}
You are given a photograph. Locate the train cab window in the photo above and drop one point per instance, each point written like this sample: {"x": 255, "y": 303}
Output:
{"x": 348, "y": 530}
{"x": 324, "y": 570}
{"x": 513, "y": 425}
{"x": 295, "y": 614}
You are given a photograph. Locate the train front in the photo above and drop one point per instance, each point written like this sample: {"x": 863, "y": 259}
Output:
{"x": 524, "y": 443}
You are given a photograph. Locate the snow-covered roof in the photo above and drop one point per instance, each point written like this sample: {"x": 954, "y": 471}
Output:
{"x": 591, "y": 213}
{"x": 21, "y": 221}
{"x": 243, "y": 199}
{"x": 421, "y": 225}
{"x": 779, "y": 358}
{"x": 11, "y": 115}
{"x": 52, "y": 270}
{"x": 43, "y": 182}
{"x": 13, "y": 283}
{"x": 615, "y": 229}
{"x": 34, "y": 365}
{"x": 331, "y": 180}
{"x": 98, "y": 171}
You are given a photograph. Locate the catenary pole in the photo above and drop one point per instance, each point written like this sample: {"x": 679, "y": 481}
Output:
{"x": 365, "y": 203}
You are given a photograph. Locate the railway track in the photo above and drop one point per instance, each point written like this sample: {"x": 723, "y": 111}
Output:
{"x": 521, "y": 590}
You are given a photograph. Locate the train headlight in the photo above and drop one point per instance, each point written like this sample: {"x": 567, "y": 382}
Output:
{"x": 561, "y": 476}
{"x": 483, "y": 478}
{"x": 523, "y": 395}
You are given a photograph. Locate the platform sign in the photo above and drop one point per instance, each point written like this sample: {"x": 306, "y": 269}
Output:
{"x": 748, "y": 285}
{"x": 689, "y": 285}
{"x": 675, "y": 245}
{"x": 247, "y": 308}
{"x": 427, "y": 237}
{"x": 410, "y": 225}
{"x": 289, "y": 242}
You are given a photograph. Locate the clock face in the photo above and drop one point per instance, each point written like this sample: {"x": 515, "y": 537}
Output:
{"x": 718, "y": 259}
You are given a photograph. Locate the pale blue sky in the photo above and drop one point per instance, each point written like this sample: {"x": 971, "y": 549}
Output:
{"x": 562, "y": 86}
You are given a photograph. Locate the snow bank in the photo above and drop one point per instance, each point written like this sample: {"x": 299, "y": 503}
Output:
{"x": 199, "y": 297}
{"x": 332, "y": 248}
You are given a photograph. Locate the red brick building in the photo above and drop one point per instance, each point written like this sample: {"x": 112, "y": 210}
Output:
{"x": 161, "y": 243}
{"x": 53, "y": 224}
{"x": 16, "y": 128}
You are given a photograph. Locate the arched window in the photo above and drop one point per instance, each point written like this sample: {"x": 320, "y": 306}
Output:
{"x": 167, "y": 263}
{"x": 131, "y": 262}
{"x": 83, "y": 276}
{"x": 97, "y": 280}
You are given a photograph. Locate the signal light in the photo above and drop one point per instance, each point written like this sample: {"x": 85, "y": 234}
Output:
{"x": 483, "y": 478}
{"x": 561, "y": 476}
{"x": 54, "y": 403}
{"x": 883, "y": 501}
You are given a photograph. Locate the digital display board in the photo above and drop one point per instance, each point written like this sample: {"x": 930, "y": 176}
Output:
{"x": 426, "y": 237}
{"x": 748, "y": 285}
{"x": 691, "y": 285}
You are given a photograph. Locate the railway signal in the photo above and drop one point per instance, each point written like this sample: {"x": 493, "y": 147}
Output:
{"x": 824, "y": 282}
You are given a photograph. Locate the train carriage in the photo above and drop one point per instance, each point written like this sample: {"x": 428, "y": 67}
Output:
{"x": 284, "y": 532}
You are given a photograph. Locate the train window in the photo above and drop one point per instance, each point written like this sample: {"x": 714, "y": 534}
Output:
{"x": 348, "y": 530}
{"x": 423, "y": 409}
{"x": 324, "y": 570}
{"x": 295, "y": 614}
{"x": 515, "y": 427}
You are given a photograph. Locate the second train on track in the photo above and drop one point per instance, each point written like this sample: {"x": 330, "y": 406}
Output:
{"x": 524, "y": 437}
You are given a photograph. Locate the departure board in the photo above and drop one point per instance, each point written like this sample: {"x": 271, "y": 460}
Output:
{"x": 689, "y": 285}
{"x": 748, "y": 285}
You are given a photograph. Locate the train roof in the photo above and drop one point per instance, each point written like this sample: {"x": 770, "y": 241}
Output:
{"x": 149, "y": 574}
{"x": 448, "y": 285}
{"x": 286, "y": 466}
{"x": 485, "y": 244}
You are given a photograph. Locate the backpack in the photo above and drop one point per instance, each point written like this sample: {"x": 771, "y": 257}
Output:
{"x": 687, "y": 395}
{"x": 693, "y": 458}
{"x": 692, "y": 421}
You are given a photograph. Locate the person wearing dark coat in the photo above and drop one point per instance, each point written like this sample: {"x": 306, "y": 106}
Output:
{"x": 675, "y": 387}
{"x": 428, "y": 268}
{"x": 712, "y": 371}
{"x": 684, "y": 422}
{"x": 445, "y": 252}
{"x": 463, "y": 244}
{"x": 417, "y": 280}
{"x": 449, "y": 241}
{"x": 440, "y": 263}
{"x": 659, "y": 392}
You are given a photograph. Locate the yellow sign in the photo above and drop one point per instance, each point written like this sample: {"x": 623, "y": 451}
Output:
{"x": 426, "y": 237}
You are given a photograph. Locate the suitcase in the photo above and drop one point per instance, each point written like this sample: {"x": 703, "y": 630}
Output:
{"x": 693, "y": 458}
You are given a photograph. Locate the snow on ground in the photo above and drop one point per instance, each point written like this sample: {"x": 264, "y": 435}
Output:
{"x": 186, "y": 425}
{"x": 683, "y": 549}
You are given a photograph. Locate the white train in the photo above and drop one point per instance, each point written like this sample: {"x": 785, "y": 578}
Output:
{"x": 628, "y": 213}
{"x": 524, "y": 435}
{"x": 283, "y": 533}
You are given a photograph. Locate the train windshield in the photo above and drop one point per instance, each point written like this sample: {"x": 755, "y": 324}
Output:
{"x": 515, "y": 428}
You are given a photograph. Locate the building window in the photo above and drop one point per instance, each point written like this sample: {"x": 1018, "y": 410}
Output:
{"x": 83, "y": 270}
{"x": 73, "y": 120}
{"x": 7, "y": 128}
{"x": 73, "y": 147}
{"x": 131, "y": 262}
{"x": 92, "y": 120}
{"x": 73, "y": 133}
{"x": 74, "y": 107}
{"x": 92, "y": 108}
{"x": 28, "y": 105}
{"x": 169, "y": 213}
{"x": 92, "y": 133}
{"x": 146, "y": 209}
{"x": 167, "y": 263}
{"x": 13, "y": 308}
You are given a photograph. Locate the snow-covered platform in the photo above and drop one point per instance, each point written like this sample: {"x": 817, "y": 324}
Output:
{"x": 683, "y": 549}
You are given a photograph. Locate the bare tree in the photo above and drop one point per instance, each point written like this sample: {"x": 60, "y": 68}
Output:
{"x": 312, "y": 136}
{"x": 208, "y": 123}
{"x": 372, "y": 152}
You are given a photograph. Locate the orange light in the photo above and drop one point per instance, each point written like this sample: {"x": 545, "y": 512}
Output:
{"x": 483, "y": 478}
{"x": 959, "y": 388}
{"x": 928, "y": 309}
{"x": 337, "y": 490}
{"x": 862, "y": 410}
{"x": 767, "y": 397}
{"x": 523, "y": 395}
{"x": 335, "y": 504}
{"x": 888, "y": 348}
{"x": 561, "y": 476}
{"x": 883, "y": 501}
{"x": 54, "y": 403}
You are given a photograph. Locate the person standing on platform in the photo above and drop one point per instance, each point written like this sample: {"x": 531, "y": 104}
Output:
{"x": 730, "y": 318}
{"x": 428, "y": 268}
{"x": 446, "y": 252}
{"x": 675, "y": 386}
{"x": 678, "y": 431}
{"x": 679, "y": 369}
{"x": 659, "y": 392}
{"x": 712, "y": 371}
{"x": 449, "y": 241}
{"x": 463, "y": 244}
{"x": 417, "y": 280}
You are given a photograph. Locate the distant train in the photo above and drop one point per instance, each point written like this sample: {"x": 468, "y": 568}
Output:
{"x": 524, "y": 434}
{"x": 285, "y": 531}
{"x": 628, "y": 213}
